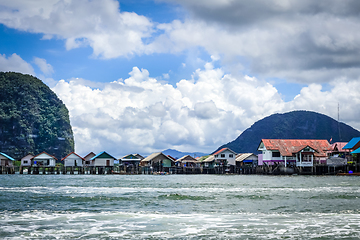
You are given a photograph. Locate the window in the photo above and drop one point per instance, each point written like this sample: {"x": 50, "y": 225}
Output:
{"x": 275, "y": 154}
{"x": 222, "y": 155}
{"x": 87, "y": 162}
{"x": 231, "y": 155}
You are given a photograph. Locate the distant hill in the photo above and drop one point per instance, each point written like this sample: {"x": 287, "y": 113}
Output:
{"x": 177, "y": 154}
{"x": 32, "y": 118}
{"x": 292, "y": 125}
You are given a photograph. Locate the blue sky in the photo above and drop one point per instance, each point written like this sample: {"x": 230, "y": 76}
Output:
{"x": 190, "y": 75}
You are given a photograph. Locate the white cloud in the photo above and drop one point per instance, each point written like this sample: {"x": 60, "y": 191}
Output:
{"x": 45, "y": 67}
{"x": 300, "y": 41}
{"x": 15, "y": 63}
{"x": 140, "y": 114}
{"x": 98, "y": 24}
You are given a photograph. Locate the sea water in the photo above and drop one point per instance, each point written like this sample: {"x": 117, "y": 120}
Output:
{"x": 179, "y": 207}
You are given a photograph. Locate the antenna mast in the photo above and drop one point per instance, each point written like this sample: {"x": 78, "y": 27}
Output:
{"x": 339, "y": 121}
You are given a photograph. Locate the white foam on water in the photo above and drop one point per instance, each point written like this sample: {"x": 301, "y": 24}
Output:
{"x": 42, "y": 224}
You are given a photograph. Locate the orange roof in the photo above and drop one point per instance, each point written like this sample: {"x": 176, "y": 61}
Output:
{"x": 223, "y": 149}
{"x": 287, "y": 147}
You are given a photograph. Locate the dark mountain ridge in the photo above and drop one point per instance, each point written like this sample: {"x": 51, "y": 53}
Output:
{"x": 292, "y": 125}
{"x": 32, "y": 118}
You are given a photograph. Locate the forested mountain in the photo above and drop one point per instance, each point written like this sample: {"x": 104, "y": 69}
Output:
{"x": 292, "y": 125}
{"x": 32, "y": 118}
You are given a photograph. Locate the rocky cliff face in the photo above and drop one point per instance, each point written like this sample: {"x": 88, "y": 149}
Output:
{"x": 292, "y": 125}
{"x": 32, "y": 118}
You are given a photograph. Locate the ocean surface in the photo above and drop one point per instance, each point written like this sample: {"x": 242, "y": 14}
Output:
{"x": 179, "y": 207}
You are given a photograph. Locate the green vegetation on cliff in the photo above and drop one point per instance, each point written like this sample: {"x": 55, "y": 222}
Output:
{"x": 32, "y": 118}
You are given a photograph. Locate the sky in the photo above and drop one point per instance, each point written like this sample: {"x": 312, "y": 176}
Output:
{"x": 144, "y": 76}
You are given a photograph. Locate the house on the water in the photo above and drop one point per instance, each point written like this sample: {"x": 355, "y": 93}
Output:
{"x": 88, "y": 162}
{"x": 103, "y": 159}
{"x": 43, "y": 160}
{"x": 6, "y": 163}
{"x": 246, "y": 163}
{"x": 187, "y": 164}
{"x": 26, "y": 161}
{"x": 293, "y": 152}
{"x": 130, "y": 163}
{"x": 73, "y": 160}
{"x": 225, "y": 160}
{"x": 353, "y": 146}
{"x": 207, "y": 164}
{"x": 158, "y": 162}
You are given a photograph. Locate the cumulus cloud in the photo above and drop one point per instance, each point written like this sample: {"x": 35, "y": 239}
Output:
{"x": 45, "y": 67}
{"x": 98, "y": 24}
{"x": 141, "y": 114}
{"x": 15, "y": 63}
{"x": 299, "y": 41}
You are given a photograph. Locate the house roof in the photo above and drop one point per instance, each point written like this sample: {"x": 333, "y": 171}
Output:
{"x": 7, "y": 156}
{"x": 209, "y": 159}
{"x": 337, "y": 146}
{"x": 222, "y": 150}
{"x": 44, "y": 153}
{"x": 187, "y": 158}
{"x": 139, "y": 156}
{"x": 90, "y": 153}
{"x": 102, "y": 155}
{"x": 242, "y": 156}
{"x": 154, "y": 155}
{"x": 356, "y": 151}
{"x": 287, "y": 147}
{"x": 70, "y": 154}
{"x": 27, "y": 157}
{"x": 352, "y": 143}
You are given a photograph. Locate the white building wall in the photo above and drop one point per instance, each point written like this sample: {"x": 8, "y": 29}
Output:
{"x": 26, "y": 161}
{"x": 101, "y": 162}
{"x": 70, "y": 161}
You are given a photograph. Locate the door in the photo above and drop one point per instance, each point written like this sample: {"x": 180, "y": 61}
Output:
{"x": 107, "y": 163}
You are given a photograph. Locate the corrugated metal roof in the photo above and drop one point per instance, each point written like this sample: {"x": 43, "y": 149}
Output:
{"x": 287, "y": 147}
{"x": 102, "y": 153}
{"x": 70, "y": 154}
{"x": 209, "y": 159}
{"x": 186, "y": 158}
{"x": 242, "y": 156}
{"x": 154, "y": 155}
{"x": 46, "y": 154}
{"x": 339, "y": 146}
{"x": 356, "y": 151}
{"x": 7, "y": 156}
{"x": 352, "y": 143}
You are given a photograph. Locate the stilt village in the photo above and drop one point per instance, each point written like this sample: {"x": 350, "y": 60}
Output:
{"x": 277, "y": 156}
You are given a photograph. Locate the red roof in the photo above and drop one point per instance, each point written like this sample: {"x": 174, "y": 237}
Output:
{"x": 287, "y": 147}
{"x": 46, "y": 154}
{"x": 338, "y": 147}
{"x": 70, "y": 154}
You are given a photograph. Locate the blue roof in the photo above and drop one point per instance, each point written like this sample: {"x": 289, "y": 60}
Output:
{"x": 102, "y": 154}
{"x": 356, "y": 151}
{"x": 352, "y": 143}
{"x": 7, "y": 156}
